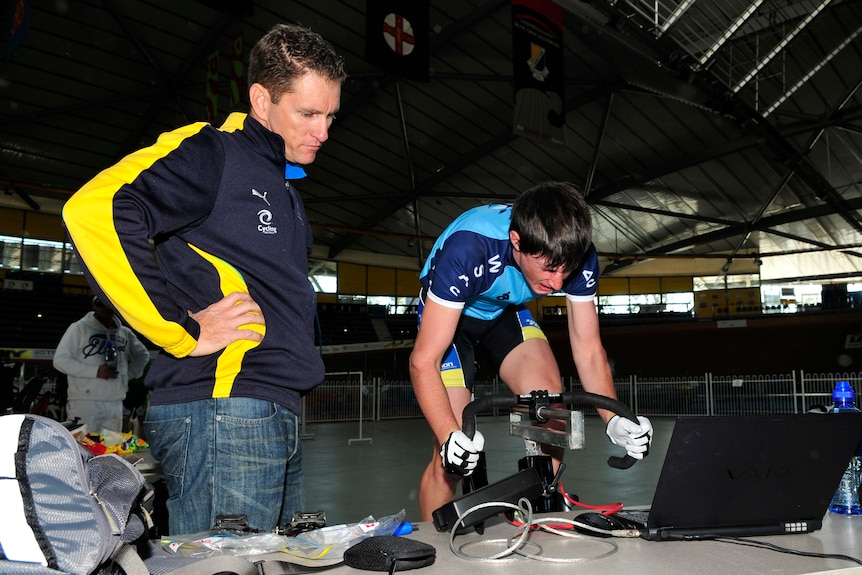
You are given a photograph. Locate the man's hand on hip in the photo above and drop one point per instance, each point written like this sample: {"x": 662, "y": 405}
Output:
{"x": 227, "y": 321}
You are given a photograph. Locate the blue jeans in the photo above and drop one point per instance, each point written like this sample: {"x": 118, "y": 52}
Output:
{"x": 227, "y": 456}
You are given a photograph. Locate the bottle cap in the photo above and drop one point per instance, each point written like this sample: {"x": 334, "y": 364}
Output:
{"x": 843, "y": 392}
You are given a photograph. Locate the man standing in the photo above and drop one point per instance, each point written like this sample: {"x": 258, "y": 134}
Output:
{"x": 481, "y": 270}
{"x": 98, "y": 383}
{"x": 227, "y": 295}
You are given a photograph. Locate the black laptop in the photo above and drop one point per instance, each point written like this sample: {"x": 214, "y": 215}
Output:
{"x": 743, "y": 476}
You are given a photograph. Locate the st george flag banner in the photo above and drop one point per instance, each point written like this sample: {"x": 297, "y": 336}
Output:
{"x": 396, "y": 37}
{"x": 539, "y": 71}
{"x": 19, "y": 19}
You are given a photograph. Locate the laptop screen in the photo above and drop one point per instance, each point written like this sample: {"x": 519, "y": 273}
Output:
{"x": 726, "y": 471}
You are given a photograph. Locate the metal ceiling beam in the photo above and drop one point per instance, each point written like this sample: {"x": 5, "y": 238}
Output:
{"x": 677, "y": 13}
{"x": 804, "y": 80}
{"x": 12, "y": 189}
{"x": 747, "y": 119}
{"x": 843, "y": 118}
{"x": 65, "y": 110}
{"x": 147, "y": 95}
{"x": 767, "y": 224}
{"x": 850, "y": 127}
{"x": 780, "y": 46}
{"x": 658, "y": 212}
{"x": 836, "y": 201}
{"x": 465, "y": 160}
{"x": 731, "y": 30}
{"x": 204, "y": 46}
{"x": 639, "y": 178}
{"x": 134, "y": 37}
{"x": 597, "y": 146}
{"x": 402, "y": 200}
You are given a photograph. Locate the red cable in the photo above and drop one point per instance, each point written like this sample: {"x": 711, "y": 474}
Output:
{"x": 609, "y": 509}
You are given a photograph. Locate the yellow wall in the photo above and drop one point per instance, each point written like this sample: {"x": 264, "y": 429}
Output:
{"x": 14, "y": 222}
{"x": 11, "y": 222}
{"x": 614, "y": 286}
{"x": 677, "y": 284}
{"x": 352, "y": 279}
{"x": 381, "y": 281}
{"x": 44, "y": 227}
{"x": 407, "y": 283}
{"x": 644, "y": 285}
{"x": 327, "y": 298}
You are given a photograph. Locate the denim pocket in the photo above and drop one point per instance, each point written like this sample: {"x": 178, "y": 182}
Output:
{"x": 256, "y": 432}
{"x": 169, "y": 444}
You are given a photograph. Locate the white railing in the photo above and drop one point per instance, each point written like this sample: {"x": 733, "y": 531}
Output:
{"x": 354, "y": 396}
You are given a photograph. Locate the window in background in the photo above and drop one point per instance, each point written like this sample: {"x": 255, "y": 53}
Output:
{"x": 28, "y": 254}
{"x": 323, "y": 276}
{"x": 679, "y": 302}
{"x": 702, "y": 283}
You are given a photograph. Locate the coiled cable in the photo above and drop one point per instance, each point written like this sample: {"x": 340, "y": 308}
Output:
{"x": 517, "y": 544}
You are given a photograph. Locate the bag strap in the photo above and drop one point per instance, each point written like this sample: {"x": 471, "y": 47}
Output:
{"x": 218, "y": 564}
{"x": 276, "y": 567}
{"x": 127, "y": 557}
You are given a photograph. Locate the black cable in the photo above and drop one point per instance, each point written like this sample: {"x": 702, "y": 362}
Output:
{"x": 772, "y": 547}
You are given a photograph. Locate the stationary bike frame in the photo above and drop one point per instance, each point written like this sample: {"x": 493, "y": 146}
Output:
{"x": 535, "y": 480}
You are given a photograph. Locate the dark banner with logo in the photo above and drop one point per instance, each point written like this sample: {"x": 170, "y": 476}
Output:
{"x": 396, "y": 38}
{"x": 539, "y": 71}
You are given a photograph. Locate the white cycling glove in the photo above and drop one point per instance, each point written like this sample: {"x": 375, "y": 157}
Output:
{"x": 635, "y": 437}
{"x": 461, "y": 454}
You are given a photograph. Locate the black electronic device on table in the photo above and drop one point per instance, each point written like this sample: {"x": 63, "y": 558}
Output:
{"x": 744, "y": 476}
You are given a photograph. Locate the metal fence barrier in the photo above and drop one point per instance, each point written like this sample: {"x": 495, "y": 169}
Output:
{"x": 352, "y": 396}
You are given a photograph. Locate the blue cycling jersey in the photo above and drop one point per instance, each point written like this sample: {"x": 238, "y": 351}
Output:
{"x": 471, "y": 266}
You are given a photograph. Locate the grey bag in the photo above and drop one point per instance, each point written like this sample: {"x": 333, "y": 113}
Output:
{"x": 68, "y": 512}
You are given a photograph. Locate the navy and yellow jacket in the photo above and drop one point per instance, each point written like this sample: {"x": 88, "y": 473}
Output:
{"x": 222, "y": 217}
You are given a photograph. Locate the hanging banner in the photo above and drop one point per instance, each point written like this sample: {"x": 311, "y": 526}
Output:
{"x": 539, "y": 71}
{"x": 19, "y": 19}
{"x": 396, "y": 37}
{"x": 237, "y": 69}
{"x": 212, "y": 86}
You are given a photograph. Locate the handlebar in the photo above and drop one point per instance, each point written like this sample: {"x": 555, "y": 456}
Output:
{"x": 507, "y": 401}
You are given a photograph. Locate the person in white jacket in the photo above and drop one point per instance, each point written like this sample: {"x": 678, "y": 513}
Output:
{"x": 97, "y": 386}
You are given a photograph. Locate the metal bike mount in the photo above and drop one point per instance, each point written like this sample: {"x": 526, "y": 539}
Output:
{"x": 536, "y": 418}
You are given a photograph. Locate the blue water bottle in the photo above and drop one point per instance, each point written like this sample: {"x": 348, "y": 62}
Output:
{"x": 110, "y": 354}
{"x": 846, "y": 498}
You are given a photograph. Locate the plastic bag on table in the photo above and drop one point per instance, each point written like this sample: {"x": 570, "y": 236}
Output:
{"x": 327, "y": 543}
{"x": 225, "y": 542}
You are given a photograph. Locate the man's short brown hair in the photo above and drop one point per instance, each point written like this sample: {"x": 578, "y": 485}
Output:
{"x": 287, "y": 52}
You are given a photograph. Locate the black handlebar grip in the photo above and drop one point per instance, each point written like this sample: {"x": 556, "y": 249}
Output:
{"x": 617, "y": 407}
{"x": 468, "y": 418}
{"x": 622, "y": 462}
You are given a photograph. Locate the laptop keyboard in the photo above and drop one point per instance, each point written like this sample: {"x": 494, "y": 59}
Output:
{"x": 636, "y": 516}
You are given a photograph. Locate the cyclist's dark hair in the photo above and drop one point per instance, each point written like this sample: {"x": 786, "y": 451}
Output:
{"x": 553, "y": 221}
